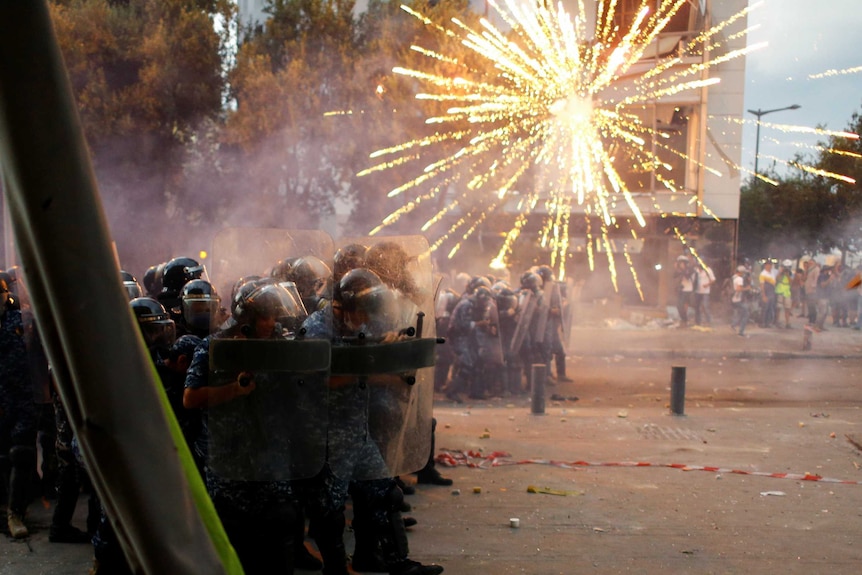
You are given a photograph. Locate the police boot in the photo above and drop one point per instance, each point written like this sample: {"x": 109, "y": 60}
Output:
{"x": 410, "y": 567}
{"x": 393, "y": 542}
{"x": 302, "y": 557}
{"x": 429, "y": 474}
{"x": 367, "y": 557}
{"x": 68, "y": 488}
{"x": 561, "y": 368}
{"x": 329, "y": 536}
{"x": 23, "y": 461}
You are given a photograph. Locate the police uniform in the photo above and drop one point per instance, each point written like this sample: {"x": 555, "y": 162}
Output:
{"x": 258, "y": 516}
{"x": 17, "y": 416}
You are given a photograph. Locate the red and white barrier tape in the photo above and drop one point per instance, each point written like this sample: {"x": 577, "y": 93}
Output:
{"x": 474, "y": 459}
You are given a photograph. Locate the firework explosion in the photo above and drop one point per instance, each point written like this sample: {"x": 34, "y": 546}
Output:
{"x": 549, "y": 118}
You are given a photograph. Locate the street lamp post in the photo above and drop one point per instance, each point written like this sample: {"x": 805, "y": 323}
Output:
{"x": 758, "y": 112}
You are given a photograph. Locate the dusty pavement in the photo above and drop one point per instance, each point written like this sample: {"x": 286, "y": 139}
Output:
{"x": 707, "y": 498}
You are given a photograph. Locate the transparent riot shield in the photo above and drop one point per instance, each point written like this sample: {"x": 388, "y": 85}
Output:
{"x": 278, "y": 430}
{"x": 542, "y": 310}
{"x": 554, "y": 325}
{"x": 382, "y": 360}
{"x": 488, "y": 336}
{"x": 527, "y": 307}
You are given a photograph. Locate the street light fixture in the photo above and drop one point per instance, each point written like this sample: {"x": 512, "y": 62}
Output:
{"x": 758, "y": 112}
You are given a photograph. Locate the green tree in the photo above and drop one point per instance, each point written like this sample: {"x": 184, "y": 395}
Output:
{"x": 287, "y": 78}
{"x": 807, "y": 212}
{"x": 145, "y": 75}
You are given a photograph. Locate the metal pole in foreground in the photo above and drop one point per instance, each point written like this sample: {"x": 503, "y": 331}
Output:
{"x": 677, "y": 390}
{"x": 537, "y": 388}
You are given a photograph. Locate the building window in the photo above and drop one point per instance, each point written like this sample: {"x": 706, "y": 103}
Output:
{"x": 627, "y": 10}
{"x": 660, "y": 164}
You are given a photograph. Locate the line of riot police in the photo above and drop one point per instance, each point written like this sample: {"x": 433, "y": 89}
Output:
{"x": 315, "y": 386}
{"x": 496, "y": 332}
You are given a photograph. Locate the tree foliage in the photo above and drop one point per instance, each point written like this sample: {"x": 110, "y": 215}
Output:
{"x": 315, "y": 95}
{"x": 145, "y": 75}
{"x": 188, "y": 131}
{"x": 807, "y": 213}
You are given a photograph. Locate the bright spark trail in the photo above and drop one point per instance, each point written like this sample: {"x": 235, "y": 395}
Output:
{"x": 550, "y": 115}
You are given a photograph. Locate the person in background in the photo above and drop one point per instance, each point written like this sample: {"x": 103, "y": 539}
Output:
{"x": 684, "y": 277}
{"x": 797, "y": 292}
{"x": 783, "y": 291}
{"x": 812, "y": 273}
{"x": 703, "y": 283}
{"x": 739, "y": 301}
{"x": 767, "y": 294}
{"x": 17, "y": 414}
{"x": 825, "y": 282}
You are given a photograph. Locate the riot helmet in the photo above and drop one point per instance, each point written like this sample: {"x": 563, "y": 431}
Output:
{"x": 531, "y": 281}
{"x": 176, "y": 274}
{"x": 506, "y": 300}
{"x": 262, "y": 304}
{"x": 546, "y": 273}
{"x": 313, "y": 280}
{"x": 476, "y": 282}
{"x": 366, "y": 303}
{"x": 157, "y": 327}
{"x": 346, "y": 258}
{"x": 200, "y": 305}
{"x": 131, "y": 285}
{"x": 281, "y": 270}
{"x": 152, "y": 280}
{"x": 241, "y": 288}
{"x": 483, "y": 293}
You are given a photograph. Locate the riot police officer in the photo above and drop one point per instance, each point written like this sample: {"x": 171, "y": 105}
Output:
{"x": 175, "y": 274}
{"x": 507, "y": 312}
{"x": 446, "y": 302}
{"x": 365, "y": 310}
{"x": 159, "y": 333}
{"x": 201, "y": 308}
{"x": 258, "y": 516}
{"x": 473, "y": 330}
{"x": 552, "y": 347}
{"x": 131, "y": 285}
{"x": 17, "y": 413}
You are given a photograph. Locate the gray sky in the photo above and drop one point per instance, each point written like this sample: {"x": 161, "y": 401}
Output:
{"x": 805, "y": 37}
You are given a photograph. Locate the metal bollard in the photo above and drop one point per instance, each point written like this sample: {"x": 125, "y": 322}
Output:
{"x": 677, "y": 390}
{"x": 537, "y": 388}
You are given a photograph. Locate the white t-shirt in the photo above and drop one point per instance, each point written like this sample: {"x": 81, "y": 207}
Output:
{"x": 705, "y": 277}
{"x": 738, "y": 283}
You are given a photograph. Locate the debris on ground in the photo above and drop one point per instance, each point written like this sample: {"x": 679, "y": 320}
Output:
{"x": 549, "y": 491}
